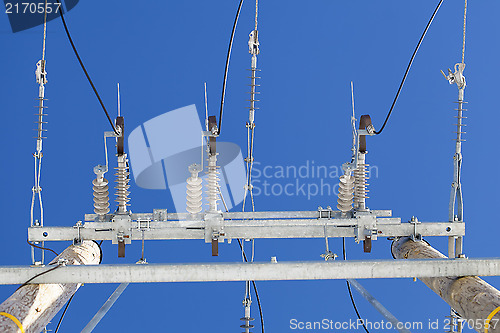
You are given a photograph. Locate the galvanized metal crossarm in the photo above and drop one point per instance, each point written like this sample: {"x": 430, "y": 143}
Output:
{"x": 254, "y": 271}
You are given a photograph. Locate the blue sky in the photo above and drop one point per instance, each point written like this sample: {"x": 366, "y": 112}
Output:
{"x": 163, "y": 52}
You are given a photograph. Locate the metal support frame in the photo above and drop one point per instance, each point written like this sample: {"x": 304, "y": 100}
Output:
{"x": 269, "y": 271}
{"x": 105, "y": 308}
{"x": 399, "y": 326}
{"x": 246, "y": 225}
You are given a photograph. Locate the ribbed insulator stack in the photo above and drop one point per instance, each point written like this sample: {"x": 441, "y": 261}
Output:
{"x": 346, "y": 193}
{"x": 101, "y": 196}
{"x": 247, "y": 319}
{"x": 122, "y": 186}
{"x": 194, "y": 190}
{"x": 212, "y": 183}
{"x": 360, "y": 184}
{"x": 101, "y": 192}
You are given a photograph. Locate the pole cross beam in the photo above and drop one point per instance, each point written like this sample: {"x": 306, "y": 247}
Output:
{"x": 269, "y": 271}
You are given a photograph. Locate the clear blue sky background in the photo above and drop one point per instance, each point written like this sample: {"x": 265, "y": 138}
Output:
{"x": 162, "y": 52}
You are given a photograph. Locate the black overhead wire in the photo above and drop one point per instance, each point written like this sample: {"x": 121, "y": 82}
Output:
{"x": 42, "y": 248}
{"x": 254, "y": 289}
{"x": 64, "y": 312}
{"x": 84, "y": 69}
{"x": 350, "y": 291}
{"x": 227, "y": 65}
{"x": 409, "y": 66}
{"x": 39, "y": 274}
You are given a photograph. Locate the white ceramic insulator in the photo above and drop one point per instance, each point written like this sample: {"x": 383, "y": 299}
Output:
{"x": 360, "y": 184}
{"x": 122, "y": 186}
{"x": 101, "y": 195}
{"x": 194, "y": 194}
{"x": 346, "y": 193}
{"x": 212, "y": 183}
{"x": 247, "y": 326}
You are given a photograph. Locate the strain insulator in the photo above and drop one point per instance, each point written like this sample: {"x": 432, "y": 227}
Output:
{"x": 360, "y": 184}
{"x": 122, "y": 186}
{"x": 212, "y": 183}
{"x": 247, "y": 319}
{"x": 194, "y": 190}
{"x": 346, "y": 193}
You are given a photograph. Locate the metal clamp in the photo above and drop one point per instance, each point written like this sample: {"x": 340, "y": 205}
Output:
{"x": 415, "y": 236}
{"x": 160, "y": 215}
{"x": 40, "y": 73}
{"x": 143, "y": 224}
{"x": 457, "y": 76}
{"x": 253, "y": 43}
{"x": 327, "y": 213}
{"x": 366, "y": 231}
{"x": 78, "y": 238}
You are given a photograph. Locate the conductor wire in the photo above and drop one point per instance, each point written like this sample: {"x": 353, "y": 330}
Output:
{"x": 224, "y": 82}
{"x": 409, "y": 66}
{"x": 85, "y": 70}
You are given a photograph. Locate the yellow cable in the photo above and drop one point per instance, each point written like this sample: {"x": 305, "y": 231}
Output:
{"x": 487, "y": 323}
{"x": 14, "y": 319}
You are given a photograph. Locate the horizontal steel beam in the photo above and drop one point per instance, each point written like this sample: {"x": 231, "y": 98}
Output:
{"x": 163, "y": 216}
{"x": 252, "y": 229}
{"x": 253, "y": 271}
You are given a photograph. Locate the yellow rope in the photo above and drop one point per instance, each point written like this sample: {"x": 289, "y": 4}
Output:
{"x": 14, "y": 319}
{"x": 487, "y": 323}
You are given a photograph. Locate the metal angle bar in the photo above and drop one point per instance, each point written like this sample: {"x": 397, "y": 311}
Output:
{"x": 243, "y": 215}
{"x": 331, "y": 270}
{"x": 396, "y": 324}
{"x": 250, "y": 230}
{"x": 105, "y": 308}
